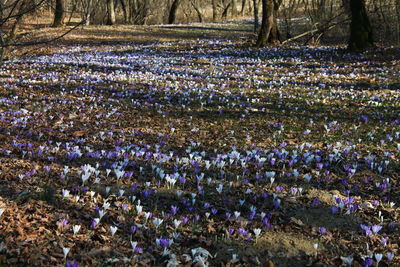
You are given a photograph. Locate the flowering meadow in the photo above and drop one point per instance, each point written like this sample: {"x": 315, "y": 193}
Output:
{"x": 200, "y": 153}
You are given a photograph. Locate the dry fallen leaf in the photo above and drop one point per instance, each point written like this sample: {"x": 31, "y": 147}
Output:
{"x": 79, "y": 134}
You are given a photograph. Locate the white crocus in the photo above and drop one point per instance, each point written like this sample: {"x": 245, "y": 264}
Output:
{"x": 219, "y": 188}
{"x": 378, "y": 257}
{"x": 108, "y": 190}
{"x": 157, "y": 222}
{"x": 177, "y": 223}
{"x": 347, "y": 260}
{"x": 257, "y": 232}
{"x": 75, "y": 229}
{"x": 65, "y": 251}
{"x": 113, "y": 229}
{"x": 106, "y": 205}
{"x": 121, "y": 192}
{"x": 134, "y": 245}
{"x": 139, "y": 208}
{"x": 101, "y": 213}
{"x": 147, "y": 215}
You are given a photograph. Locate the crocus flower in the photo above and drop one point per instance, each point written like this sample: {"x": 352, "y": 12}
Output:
{"x": 65, "y": 251}
{"x": 113, "y": 229}
{"x": 322, "y": 230}
{"x": 378, "y": 258}
{"x": 134, "y": 244}
{"x": 75, "y": 229}
{"x": 71, "y": 264}
{"x": 368, "y": 262}
{"x": 257, "y": 233}
{"x": 95, "y": 222}
{"x": 376, "y": 228}
{"x": 390, "y": 256}
{"x": 347, "y": 260}
{"x": 384, "y": 241}
{"x": 157, "y": 222}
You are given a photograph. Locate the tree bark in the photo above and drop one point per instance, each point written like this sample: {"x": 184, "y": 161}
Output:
{"x": 255, "y": 5}
{"x": 243, "y": 7}
{"x": 214, "y": 10}
{"x": 125, "y": 11}
{"x": 110, "y": 12}
{"x": 269, "y": 32}
{"x": 197, "y": 9}
{"x": 234, "y": 9}
{"x": 224, "y": 14}
{"x": 360, "y": 27}
{"x": 87, "y": 11}
{"x": 7, "y": 37}
{"x": 59, "y": 14}
{"x": 172, "y": 11}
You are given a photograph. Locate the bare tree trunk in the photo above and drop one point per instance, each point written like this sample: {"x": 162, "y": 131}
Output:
{"x": 234, "y": 8}
{"x": 360, "y": 27}
{"x": 255, "y": 5}
{"x": 243, "y": 7}
{"x": 87, "y": 10}
{"x": 125, "y": 11}
{"x": 172, "y": 11}
{"x": 224, "y": 14}
{"x": 214, "y": 10}
{"x": 398, "y": 19}
{"x": 110, "y": 12}
{"x": 59, "y": 14}
{"x": 269, "y": 33}
{"x": 197, "y": 9}
{"x": 72, "y": 12}
{"x": 7, "y": 37}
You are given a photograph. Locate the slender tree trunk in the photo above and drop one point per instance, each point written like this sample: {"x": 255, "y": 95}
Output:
{"x": 87, "y": 9}
{"x": 197, "y": 9}
{"x": 269, "y": 32}
{"x": 110, "y": 12}
{"x": 172, "y": 11}
{"x": 398, "y": 19}
{"x": 224, "y": 14}
{"x": 214, "y": 10}
{"x": 125, "y": 11}
{"x": 234, "y": 9}
{"x": 360, "y": 27}
{"x": 59, "y": 14}
{"x": 72, "y": 12}
{"x": 243, "y": 7}
{"x": 255, "y": 5}
{"x": 7, "y": 37}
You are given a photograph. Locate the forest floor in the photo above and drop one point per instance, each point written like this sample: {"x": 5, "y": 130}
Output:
{"x": 161, "y": 146}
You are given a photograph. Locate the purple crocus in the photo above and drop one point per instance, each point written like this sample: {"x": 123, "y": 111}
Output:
{"x": 94, "y": 223}
{"x": 71, "y": 264}
{"x": 164, "y": 242}
{"x": 384, "y": 241}
{"x": 368, "y": 262}
{"x": 322, "y": 230}
{"x": 133, "y": 229}
{"x": 174, "y": 210}
{"x": 376, "y": 228}
{"x": 367, "y": 229}
{"x": 64, "y": 223}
